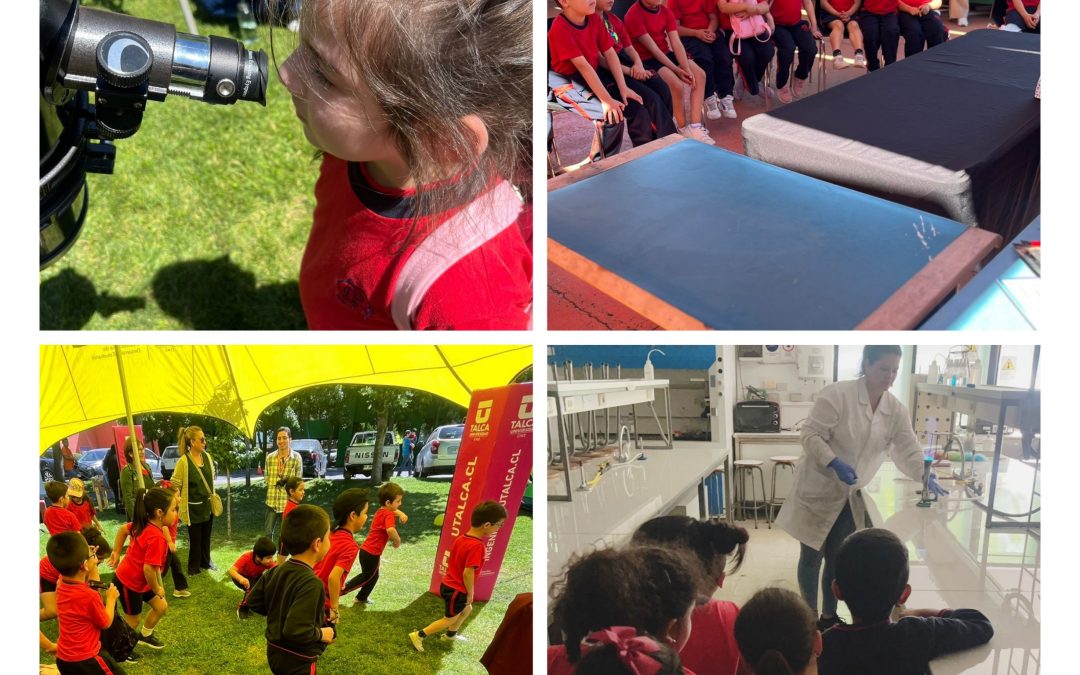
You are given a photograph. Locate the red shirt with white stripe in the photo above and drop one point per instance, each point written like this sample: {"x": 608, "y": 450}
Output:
{"x": 359, "y": 243}
{"x": 148, "y": 548}
{"x": 81, "y": 615}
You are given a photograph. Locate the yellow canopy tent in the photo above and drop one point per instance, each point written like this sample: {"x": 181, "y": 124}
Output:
{"x": 83, "y": 386}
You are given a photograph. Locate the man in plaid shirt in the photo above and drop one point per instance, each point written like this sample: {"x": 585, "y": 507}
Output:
{"x": 280, "y": 465}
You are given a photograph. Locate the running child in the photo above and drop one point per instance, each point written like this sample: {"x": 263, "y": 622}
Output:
{"x": 383, "y": 529}
{"x": 138, "y": 577}
{"x": 80, "y": 612}
{"x": 466, "y": 561}
{"x": 711, "y": 649}
{"x": 836, "y": 16}
{"x": 649, "y": 589}
{"x": 655, "y": 35}
{"x": 294, "y": 492}
{"x": 292, "y": 598}
{"x": 752, "y": 54}
{"x": 350, "y": 514}
{"x": 921, "y": 25}
{"x": 57, "y": 516}
{"x": 699, "y": 31}
{"x": 880, "y": 25}
{"x": 576, "y": 42}
{"x": 654, "y": 93}
{"x": 777, "y": 634}
{"x": 426, "y": 144}
{"x": 793, "y": 32}
{"x": 249, "y": 567}
{"x": 80, "y": 505}
{"x": 872, "y": 579}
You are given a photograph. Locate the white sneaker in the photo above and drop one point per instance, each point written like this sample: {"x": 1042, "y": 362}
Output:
{"x": 839, "y": 63}
{"x": 700, "y": 133}
{"x": 727, "y": 107}
{"x": 962, "y": 22}
{"x": 860, "y": 60}
{"x": 797, "y": 86}
{"x": 712, "y": 108}
{"x": 784, "y": 94}
{"x": 456, "y": 638}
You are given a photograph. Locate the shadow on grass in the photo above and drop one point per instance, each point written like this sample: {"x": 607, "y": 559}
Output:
{"x": 219, "y": 294}
{"x": 69, "y": 300}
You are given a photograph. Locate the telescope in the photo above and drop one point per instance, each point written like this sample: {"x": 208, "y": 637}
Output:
{"x": 125, "y": 62}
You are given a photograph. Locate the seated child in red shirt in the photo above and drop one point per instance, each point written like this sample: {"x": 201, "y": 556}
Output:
{"x": 139, "y": 574}
{"x": 251, "y": 564}
{"x": 466, "y": 560}
{"x": 80, "y": 612}
{"x": 57, "y": 517}
{"x": 1023, "y": 15}
{"x": 80, "y": 505}
{"x": 292, "y": 598}
{"x": 294, "y": 490}
{"x": 921, "y": 25}
{"x": 836, "y": 16}
{"x": 880, "y": 26}
{"x": 350, "y": 514}
{"x": 383, "y": 529}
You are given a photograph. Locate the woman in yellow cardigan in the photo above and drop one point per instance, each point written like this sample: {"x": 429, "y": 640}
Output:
{"x": 194, "y": 493}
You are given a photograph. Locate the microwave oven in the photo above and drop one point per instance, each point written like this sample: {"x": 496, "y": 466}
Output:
{"x": 757, "y": 417}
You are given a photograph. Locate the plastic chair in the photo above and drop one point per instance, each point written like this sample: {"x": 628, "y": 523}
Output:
{"x": 745, "y": 468}
{"x": 786, "y": 462}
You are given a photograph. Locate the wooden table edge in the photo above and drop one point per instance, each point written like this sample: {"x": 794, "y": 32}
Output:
{"x": 594, "y": 168}
{"x": 633, "y": 296}
{"x": 947, "y": 272}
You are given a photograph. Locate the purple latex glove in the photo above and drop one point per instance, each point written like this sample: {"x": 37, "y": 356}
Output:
{"x": 844, "y": 471}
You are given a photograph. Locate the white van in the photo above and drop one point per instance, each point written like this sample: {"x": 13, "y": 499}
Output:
{"x": 362, "y": 449}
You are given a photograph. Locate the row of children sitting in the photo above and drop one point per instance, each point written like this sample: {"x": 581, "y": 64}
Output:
{"x": 648, "y": 608}
{"x": 318, "y": 558}
{"x": 638, "y": 66}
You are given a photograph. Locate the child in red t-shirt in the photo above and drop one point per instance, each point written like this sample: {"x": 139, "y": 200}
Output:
{"x": 1023, "y": 15}
{"x": 880, "y": 26}
{"x": 251, "y": 564}
{"x": 350, "y": 514}
{"x": 793, "y": 33}
{"x": 711, "y": 649}
{"x": 423, "y": 114}
{"x": 921, "y": 25}
{"x": 294, "y": 490}
{"x": 699, "y": 31}
{"x": 80, "y": 612}
{"x": 49, "y": 577}
{"x": 462, "y": 571}
{"x": 383, "y": 529}
{"x": 836, "y": 16}
{"x": 57, "y": 517}
{"x": 80, "y": 505}
{"x": 138, "y": 576}
{"x": 653, "y": 29}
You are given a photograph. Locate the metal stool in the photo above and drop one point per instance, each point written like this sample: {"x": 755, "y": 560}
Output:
{"x": 745, "y": 468}
{"x": 787, "y": 462}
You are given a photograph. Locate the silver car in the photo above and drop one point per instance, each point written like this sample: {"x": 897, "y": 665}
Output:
{"x": 439, "y": 454}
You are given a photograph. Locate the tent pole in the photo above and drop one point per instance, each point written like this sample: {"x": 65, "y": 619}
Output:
{"x": 124, "y": 391}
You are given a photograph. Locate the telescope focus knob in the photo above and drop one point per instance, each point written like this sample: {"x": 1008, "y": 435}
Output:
{"x": 124, "y": 59}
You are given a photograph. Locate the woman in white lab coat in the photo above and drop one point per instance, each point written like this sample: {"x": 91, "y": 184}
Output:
{"x": 851, "y": 428}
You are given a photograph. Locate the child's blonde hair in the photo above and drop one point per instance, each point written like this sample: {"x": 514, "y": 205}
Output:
{"x": 430, "y": 64}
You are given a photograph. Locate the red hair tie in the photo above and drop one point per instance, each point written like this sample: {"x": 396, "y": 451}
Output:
{"x": 635, "y": 651}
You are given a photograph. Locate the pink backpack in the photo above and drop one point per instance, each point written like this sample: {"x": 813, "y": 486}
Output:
{"x": 744, "y": 29}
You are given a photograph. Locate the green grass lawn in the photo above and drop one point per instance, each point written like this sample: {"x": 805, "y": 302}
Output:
{"x": 203, "y": 635}
{"x": 203, "y": 223}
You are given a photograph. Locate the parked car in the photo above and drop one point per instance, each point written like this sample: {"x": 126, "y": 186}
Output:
{"x": 91, "y": 461}
{"x": 155, "y": 464}
{"x": 312, "y": 462}
{"x": 45, "y": 467}
{"x": 439, "y": 454}
{"x": 169, "y": 457}
{"x": 361, "y": 450}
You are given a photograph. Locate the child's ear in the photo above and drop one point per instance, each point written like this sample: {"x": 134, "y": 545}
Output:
{"x": 479, "y": 132}
{"x": 904, "y": 595}
{"x": 836, "y": 590}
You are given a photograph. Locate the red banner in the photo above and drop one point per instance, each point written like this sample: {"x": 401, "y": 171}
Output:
{"x": 494, "y": 461}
